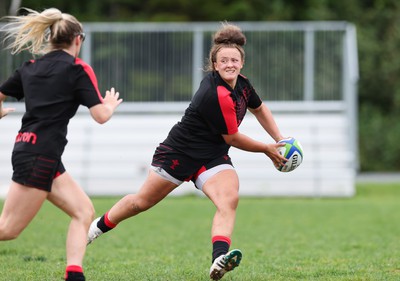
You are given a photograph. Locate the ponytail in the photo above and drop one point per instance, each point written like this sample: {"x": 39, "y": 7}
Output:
{"x": 40, "y": 32}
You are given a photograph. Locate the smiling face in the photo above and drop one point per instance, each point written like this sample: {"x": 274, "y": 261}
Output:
{"x": 229, "y": 62}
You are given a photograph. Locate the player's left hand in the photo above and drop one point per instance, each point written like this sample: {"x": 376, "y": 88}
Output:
{"x": 5, "y": 111}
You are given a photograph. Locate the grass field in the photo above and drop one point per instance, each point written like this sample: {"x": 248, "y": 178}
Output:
{"x": 281, "y": 239}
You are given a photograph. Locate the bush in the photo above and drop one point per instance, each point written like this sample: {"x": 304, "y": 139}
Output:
{"x": 378, "y": 140}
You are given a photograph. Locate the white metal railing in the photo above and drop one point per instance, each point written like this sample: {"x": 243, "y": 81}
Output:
{"x": 320, "y": 58}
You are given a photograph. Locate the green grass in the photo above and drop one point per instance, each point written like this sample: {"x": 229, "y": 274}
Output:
{"x": 281, "y": 239}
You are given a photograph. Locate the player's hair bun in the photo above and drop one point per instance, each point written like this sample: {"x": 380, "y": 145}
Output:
{"x": 229, "y": 34}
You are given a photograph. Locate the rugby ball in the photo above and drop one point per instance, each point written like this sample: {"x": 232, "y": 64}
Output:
{"x": 292, "y": 151}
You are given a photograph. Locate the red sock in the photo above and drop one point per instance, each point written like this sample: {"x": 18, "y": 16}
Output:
{"x": 105, "y": 224}
{"x": 221, "y": 238}
{"x": 221, "y": 246}
{"x": 108, "y": 222}
{"x": 74, "y": 273}
{"x": 74, "y": 268}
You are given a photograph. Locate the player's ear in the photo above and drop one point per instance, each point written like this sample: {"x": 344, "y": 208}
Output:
{"x": 77, "y": 40}
{"x": 215, "y": 65}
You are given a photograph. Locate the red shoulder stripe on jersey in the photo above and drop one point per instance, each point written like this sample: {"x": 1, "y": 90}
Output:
{"x": 228, "y": 109}
{"x": 89, "y": 71}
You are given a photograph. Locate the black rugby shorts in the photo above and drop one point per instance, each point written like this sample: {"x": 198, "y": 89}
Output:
{"x": 183, "y": 167}
{"x": 35, "y": 170}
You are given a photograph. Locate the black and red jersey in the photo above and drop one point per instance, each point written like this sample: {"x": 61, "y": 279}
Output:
{"x": 53, "y": 87}
{"x": 215, "y": 109}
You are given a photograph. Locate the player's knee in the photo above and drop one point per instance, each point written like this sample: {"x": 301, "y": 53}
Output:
{"x": 231, "y": 201}
{"x": 234, "y": 201}
{"x": 85, "y": 213}
{"x": 89, "y": 213}
{"x": 228, "y": 204}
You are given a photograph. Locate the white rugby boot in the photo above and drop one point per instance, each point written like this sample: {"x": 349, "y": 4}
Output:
{"x": 225, "y": 263}
{"x": 94, "y": 231}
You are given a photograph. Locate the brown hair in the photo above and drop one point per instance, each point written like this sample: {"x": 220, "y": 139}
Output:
{"x": 228, "y": 36}
{"x": 39, "y": 33}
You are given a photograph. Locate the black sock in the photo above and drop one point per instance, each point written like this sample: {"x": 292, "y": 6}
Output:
{"x": 102, "y": 225}
{"x": 219, "y": 248}
{"x": 74, "y": 273}
{"x": 74, "y": 276}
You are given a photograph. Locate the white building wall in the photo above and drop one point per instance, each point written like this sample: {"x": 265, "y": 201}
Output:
{"x": 113, "y": 159}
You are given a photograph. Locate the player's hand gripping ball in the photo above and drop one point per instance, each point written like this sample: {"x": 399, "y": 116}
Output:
{"x": 292, "y": 151}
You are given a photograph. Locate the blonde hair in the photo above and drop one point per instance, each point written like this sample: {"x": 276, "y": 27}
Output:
{"x": 228, "y": 36}
{"x": 39, "y": 33}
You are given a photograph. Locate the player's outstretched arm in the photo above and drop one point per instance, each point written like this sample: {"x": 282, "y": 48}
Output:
{"x": 243, "y": 142}
{"x": 101, "y": 113}
{"x": 267, "y": 121}
{"x": 4, "y": 111}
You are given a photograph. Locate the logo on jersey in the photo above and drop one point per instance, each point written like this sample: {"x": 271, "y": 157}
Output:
{"x": 27, "y": 137}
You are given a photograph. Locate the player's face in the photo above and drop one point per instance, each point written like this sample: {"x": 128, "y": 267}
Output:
{"x": 229, "y": 63}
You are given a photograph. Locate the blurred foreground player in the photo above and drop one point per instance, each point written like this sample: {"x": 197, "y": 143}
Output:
{"x": 52, "y": 86}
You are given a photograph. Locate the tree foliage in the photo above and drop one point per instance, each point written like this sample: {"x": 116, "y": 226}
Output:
{"x": 377, "y": 23}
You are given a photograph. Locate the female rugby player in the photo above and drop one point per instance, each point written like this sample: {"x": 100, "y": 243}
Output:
{"x": 197, "y": 148}
{"x": 52, "y": 86}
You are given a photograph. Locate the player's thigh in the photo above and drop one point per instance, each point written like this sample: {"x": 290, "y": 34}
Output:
{"x": 155, "y": 188}
{"x": 21, "y": 205}
{"x": 67, "y": 195}
{"x": 223, "y": 188}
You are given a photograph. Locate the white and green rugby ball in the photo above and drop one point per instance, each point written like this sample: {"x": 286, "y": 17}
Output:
{"x": 293, "y": 151}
